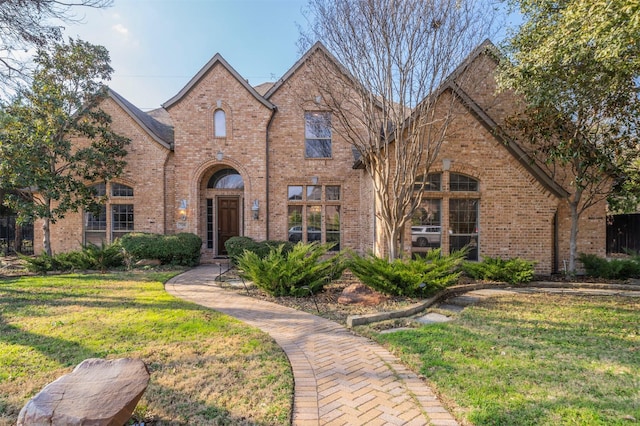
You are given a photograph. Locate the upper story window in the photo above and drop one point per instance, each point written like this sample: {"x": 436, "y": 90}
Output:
{"x": 458, "y": 182}
{"x": 219, "y": 124}
{"x": 120, "y": 190}
{"x": 317, "y": 133}
{"x": 226, "y": 179}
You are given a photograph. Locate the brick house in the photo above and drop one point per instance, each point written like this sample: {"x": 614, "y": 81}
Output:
{"x": 222, "y": 158}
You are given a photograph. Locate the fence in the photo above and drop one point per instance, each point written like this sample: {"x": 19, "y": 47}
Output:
{"x": 14, "y": 237}
{"x": 623, "y": 233}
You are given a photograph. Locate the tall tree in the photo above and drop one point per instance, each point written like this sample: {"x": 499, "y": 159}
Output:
{"x": 36, "y": 150}
{"x": 577, "y": 65}
{"x": 29, "y": 24}
{"x": 394, "y": 54}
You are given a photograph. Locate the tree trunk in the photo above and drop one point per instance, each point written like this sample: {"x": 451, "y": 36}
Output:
{"x": 573, "y": 238}
{"x": 46, "y": 236}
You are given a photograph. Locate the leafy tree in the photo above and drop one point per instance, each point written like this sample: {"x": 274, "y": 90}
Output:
{"x": 577, "y": 65}
{"x": 36, "y": 150}
{"x": 394, "y": 54}
{"x": 28, "y": 24}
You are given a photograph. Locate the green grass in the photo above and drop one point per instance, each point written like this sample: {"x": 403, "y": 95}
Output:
{"x": 205, "y": 367}
{"x": 533, "y": 360}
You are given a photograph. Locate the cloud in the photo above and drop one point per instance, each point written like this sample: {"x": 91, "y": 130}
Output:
{"x": 121, "y": 29}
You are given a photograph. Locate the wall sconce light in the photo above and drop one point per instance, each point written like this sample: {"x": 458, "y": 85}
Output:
{"x": 314, "y": 180}
{"x": 255, "y": 209}
{"x": 182, "y": 210}
{"x": 220, "y": 155}
{"x": 446, "y": 164}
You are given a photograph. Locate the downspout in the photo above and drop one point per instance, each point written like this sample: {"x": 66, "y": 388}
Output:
{"x": 266, "y": 180}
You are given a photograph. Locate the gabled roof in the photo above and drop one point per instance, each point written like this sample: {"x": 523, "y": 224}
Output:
{"x": 160, "y": 132}
{"x": 217, "y": 59}
{"x": 487, "y": 47}
{"x": 317, "y": 47}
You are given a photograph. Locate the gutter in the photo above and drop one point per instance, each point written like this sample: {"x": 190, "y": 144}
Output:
{"x": 266, "y": 179}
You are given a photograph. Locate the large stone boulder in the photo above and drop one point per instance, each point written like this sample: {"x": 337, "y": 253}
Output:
{"x": 97, "y": 392}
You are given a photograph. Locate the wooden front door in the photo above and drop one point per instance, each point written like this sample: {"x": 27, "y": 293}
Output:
{"x": 228, "y": 220}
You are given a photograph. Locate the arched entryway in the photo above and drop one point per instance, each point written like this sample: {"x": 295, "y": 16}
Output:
{"x": 223, "y": 212}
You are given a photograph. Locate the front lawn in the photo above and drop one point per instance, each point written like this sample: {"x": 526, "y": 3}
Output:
{"x": 533, "y": 360}
{"x": 206, "y": 368}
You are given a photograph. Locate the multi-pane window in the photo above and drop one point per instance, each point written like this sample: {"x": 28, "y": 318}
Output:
{"x": 120, "y": 221}
{"x": 463, "y": 225}
{"x": 120, "y": 190}
{"x": 458, "y": 182}
{"x": 219, "y": 124}
{"x": 226, "y": 179}
{"x": 313, "y": 214}
{"x": 460, "y": 224}
{"x": 426, "y": 225}
{"x": 317, "y": 133}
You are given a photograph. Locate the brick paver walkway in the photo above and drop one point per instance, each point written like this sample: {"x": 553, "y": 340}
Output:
{"x": 340, "y": 378}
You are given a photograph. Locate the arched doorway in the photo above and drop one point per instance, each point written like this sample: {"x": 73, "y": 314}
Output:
{"x": 224, "y": 200}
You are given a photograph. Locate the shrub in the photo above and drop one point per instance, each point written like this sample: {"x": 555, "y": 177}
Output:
{"x": 237, "y": 245}
{"x": 180, "y": 249}
{"x": 418, "y": 277}
{"x": 512, "y": 271}
{"x": 298, "y": 272}
{"x": 616, "y": 269}
{"x": 103, "y": 257}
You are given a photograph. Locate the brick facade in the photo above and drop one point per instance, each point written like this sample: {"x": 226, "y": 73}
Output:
{"x": 175, "y": 152}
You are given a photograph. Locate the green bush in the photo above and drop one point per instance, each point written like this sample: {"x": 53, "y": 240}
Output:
{"x": 615, "y": 269}
{"x": 90, "y": 257}
{"x": 418, "y": 277}
{"x": 237, "y": 245}
{"x": 512, "y": 271}
{"x": 103, "y": 257}
{"x": 298, "y": 272}
{"x": 180, "y": 249}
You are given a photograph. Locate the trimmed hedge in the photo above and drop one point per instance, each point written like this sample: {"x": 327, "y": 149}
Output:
{"x": 178, "y": 249}
{"x": 616, "y": 269}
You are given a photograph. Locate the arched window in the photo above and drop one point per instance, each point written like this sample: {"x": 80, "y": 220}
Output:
{"x": 458, "y": 182}
{"x": 226, "y": 179}
{"x": 219, "y": 124}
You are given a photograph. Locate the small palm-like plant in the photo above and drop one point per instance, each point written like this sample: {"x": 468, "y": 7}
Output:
{"x": 299, "y": 272}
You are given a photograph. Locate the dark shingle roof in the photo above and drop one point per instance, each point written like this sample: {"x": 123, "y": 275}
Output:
{"x": 161, "y": 132}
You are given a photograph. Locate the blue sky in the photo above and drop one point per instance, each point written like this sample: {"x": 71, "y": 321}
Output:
{"x": 156, "y": 46}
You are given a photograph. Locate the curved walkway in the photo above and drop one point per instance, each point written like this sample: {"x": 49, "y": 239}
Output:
{"x": 340, "y": 378}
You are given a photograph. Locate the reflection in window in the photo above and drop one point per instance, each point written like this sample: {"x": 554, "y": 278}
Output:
{"x": 317, "y": 134}
{"x": 294, "y": 223}
{"x": 99, "y": 189}
{"x": 295, "y": 192}
{"x": 220, "y": 124}
{"x": 333, "y": 193}
{"x": 433, "y": 182}
{"x": 314, "y": 223}
{"x": 426, "y": 229}
{"x": 458, "y": 182}
{"x": 120, "y": 190}
{"x": 332, "y": 226}
{"x": 314, "y": 193}
{"x": 226, "y": 179}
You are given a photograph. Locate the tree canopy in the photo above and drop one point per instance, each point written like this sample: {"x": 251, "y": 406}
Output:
{"x": 577, "y": 65}
{"x": 31, "y": 24}
{"x": 37, "y": 156}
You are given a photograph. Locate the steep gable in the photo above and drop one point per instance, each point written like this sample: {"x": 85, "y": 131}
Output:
{"x": 216, "y": 60}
